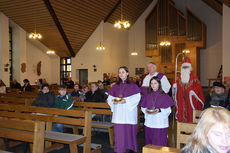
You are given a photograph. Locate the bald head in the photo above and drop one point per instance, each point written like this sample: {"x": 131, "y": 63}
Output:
{"x": 151, "y": 68}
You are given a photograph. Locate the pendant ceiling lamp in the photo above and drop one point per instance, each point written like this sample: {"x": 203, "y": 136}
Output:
{"x": 101, "y": 46}
{"x": 35, "y": 35}
{"x": 122, "y": 23}
{"x": 134, "y": 53}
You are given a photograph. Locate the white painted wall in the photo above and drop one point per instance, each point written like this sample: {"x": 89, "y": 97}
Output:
{"x": 89, "y": 56}
{"x": 19, "y": 51}
{"x": 4, "y": 48}
{"x": 226, "y": 40}
{"x": 107, "y": 61}
{"x": 34, "y": 55}
{"x": 116, "y": 53}
{"x": 25, "y": 51}
{"x": 137, "y": 41}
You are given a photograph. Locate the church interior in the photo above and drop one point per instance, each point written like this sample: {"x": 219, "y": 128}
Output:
{"x": 68, "y": 43}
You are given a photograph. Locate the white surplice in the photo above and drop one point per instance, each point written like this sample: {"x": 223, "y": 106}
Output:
{"x": 125, "y": 113}
{"x": 158, "y": 120}
{"x": 164, "y": 82}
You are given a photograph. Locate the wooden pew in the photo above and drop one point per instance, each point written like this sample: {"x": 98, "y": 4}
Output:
{"x": 98, "y": 108}
{"x": 76, "y": 99}
{"x": 17, "y": 95}
{"x": 48, "y": 115}
{"x": 16, "y": 101}
{"x": 196, "y": 116}
{"x": 2, "y": 151}
{"x": 159, "y": 149}
{"x": 23, "y": 130}
{"x": 183, "y": 132}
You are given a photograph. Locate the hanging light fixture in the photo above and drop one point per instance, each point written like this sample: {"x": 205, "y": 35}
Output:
{"x": 186, "y": 51}
{"x": 35, "y": 35}
{"x": 50, "y": 52}
{"x": 165, "y": 43}
{"x": 134, "y": 53}
{"x": 122, "y": 23}
{"x": 101, "y": 46}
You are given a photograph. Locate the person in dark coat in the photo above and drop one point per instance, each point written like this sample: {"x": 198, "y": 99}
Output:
{"x": 69, "y": 84}
{"x": 26, "y": 86}
{"x": 16, "y": 85}
{"x": 217, "y": 97}
{"x": 76, "y": 92}
{"x": 95, "y": 95}
{"x": 102, "y": 87}
{"x": 45, "y": 97}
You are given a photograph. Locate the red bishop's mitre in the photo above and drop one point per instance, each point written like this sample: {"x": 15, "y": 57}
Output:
{"x": 186, "y": 62}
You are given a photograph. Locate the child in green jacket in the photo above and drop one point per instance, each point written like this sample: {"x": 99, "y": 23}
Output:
{"x": 62, "y": 101}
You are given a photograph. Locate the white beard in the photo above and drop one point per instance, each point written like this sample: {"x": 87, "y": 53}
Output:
{"x": 185, "y": 75}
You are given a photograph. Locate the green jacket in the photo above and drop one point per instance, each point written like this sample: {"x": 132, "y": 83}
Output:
{"x": 63, "y": 102}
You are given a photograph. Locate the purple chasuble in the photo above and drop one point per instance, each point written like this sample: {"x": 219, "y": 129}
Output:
{"x": 124, "y": 89}
{"x": 156, "y": 99}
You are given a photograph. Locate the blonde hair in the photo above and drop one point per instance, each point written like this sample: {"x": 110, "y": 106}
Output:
{"x": 197, "y": 142}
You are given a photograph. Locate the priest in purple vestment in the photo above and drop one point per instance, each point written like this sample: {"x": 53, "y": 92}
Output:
{"x": 156, "y": 106}
{"x": 123, "y": 99}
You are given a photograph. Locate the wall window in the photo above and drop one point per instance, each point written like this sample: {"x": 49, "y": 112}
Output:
{"x": 65, "y": 69}
{"x": 11, "y": 54}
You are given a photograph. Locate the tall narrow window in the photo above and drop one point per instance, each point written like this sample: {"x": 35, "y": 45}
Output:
{"x": 65, "y": 69}
{"x": 10, "y": 54}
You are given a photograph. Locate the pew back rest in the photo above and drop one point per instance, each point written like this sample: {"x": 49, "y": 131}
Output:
{"x": 196, "y": 115}
{"x": 70, "y": 117}
{"x": 23, "y": 130}
{"x": 18, "y": 95}
{"x": 49, "y": 115}
{"x": 76, "y": 99}
{"x": 95, "y": 107}
{"x": 15, "y": 100}
{"x": 159, "y": 149}
{"x": 184, "y": 130}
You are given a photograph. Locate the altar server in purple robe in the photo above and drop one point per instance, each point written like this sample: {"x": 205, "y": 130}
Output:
{"x": 123, "y": 99}
{"x": 156, "y": 106}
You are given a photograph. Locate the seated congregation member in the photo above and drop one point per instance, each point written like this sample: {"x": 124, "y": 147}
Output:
{"x": 45, "y": 97}
{"x": 69, "y": 83}
{"x": 106, "y": 81}
{"x": 101, "y": 87}
{"x": 95, "y": 95}
{"x": 16, "y": 85}
{"x": 123, "y": 99}
{"x": 2, "y": 87}
{"x": 26, "y": 86}
{"x": 217, "y": 97}
{"x": 62, "y": 101}
{"x": 156, "y": 106}
{"x": 76, "y": 92}
{"x": 84, "y": 90}
{"x": 212, "y": 133}
{"x": 114, "y": 81}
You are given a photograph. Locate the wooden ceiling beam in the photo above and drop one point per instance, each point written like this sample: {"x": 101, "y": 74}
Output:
{"x": 59, "y": 26}
{"x": 215, "y": 5}
{"x": 111, "y": 12}
{"x": 226, "y": 2}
